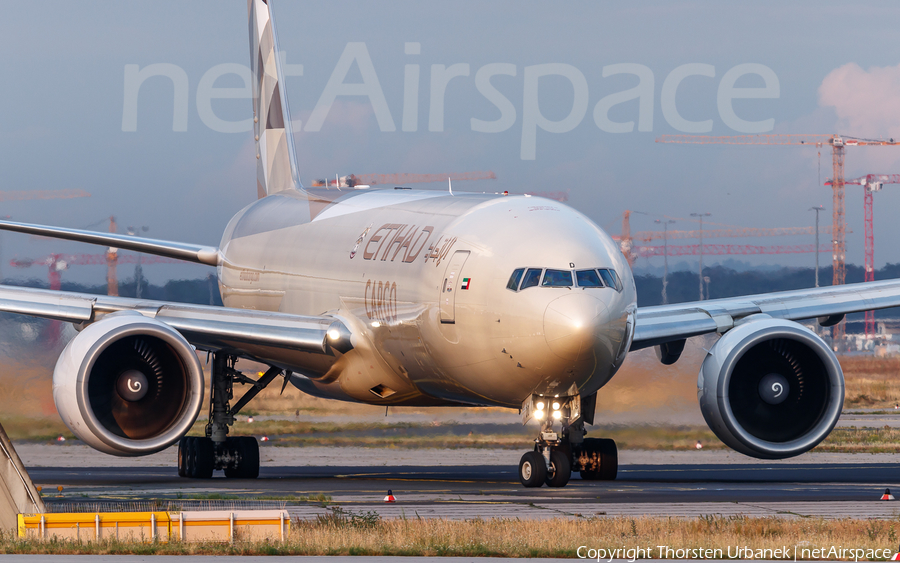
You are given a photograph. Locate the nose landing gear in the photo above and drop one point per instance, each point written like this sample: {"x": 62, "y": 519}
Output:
{"x": 557, "y": 455}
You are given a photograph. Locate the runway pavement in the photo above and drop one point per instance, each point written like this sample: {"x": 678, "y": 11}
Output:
{"x": 654, "y": 483}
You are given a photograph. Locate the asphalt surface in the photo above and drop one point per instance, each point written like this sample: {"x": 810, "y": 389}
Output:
{"x": 470, "y": 491}
{"x": 476, "y": 482}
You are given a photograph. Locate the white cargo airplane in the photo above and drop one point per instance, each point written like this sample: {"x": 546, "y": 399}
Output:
{"x": 426, "y": 298}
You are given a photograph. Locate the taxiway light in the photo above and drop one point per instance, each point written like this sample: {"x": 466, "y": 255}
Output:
{"x": 557, "y": 415}
{"x": 334, "y": 334}
{"x": 556, "y": 406}
{"x": 539, "y": 406}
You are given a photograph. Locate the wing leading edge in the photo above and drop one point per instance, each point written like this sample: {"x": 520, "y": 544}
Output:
{"x": 667, "y": 323}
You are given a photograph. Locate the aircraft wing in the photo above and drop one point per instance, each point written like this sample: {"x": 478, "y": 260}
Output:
{"x": 182, "y": 251}
{"x": 254, "y": 334}
{"x": 667, "y": 323}
{"x": 261, "y": 335}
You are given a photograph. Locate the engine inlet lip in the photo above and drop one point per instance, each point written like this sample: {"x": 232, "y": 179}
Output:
{"x": 190, "y": 410}
{"x": 832, "y": 409}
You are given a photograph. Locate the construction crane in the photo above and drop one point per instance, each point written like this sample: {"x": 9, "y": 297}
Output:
{"x": 626, "y": 239}
{"x": 648, "y": 236}
{"x": 401, "y": 179}
{"x": 26, "y": 195}
{"x": 837, "y": 143}
{"x": 871, "y": 183}
{"x": 56, "y": 263}
{"x": 725, "y": 249}
{"x": 112, "y": 279}
{"x": 626, "y": 243}
{"x": 91, "y": 260}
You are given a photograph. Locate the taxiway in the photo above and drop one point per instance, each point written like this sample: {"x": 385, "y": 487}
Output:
{"x": 479, "y": 483}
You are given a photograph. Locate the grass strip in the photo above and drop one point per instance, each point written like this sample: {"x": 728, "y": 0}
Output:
{"x": 345, "y": 533}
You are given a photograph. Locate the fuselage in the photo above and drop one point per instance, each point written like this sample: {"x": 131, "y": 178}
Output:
{"x": 431, "y": 285}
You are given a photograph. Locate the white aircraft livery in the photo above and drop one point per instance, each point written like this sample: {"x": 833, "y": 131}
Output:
{"x": 425, "y": 298}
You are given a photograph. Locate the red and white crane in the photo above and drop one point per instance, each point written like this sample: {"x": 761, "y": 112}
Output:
{"x": 56, "y": 263}
{"x": 871, "y": 183}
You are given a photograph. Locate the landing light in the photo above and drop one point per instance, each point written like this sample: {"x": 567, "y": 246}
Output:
{"x": 376, "y": 324}
{"x": 539, "y": 406}
{"x": 334, "y": 334}
{"x": 539, "y": 415}
{"x": 557, "y": 415}
{"x": 556, "y": 406}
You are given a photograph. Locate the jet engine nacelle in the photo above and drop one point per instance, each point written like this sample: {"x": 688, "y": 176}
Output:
{"x": 771, "y": 388}
{"x": 128, "y": 385}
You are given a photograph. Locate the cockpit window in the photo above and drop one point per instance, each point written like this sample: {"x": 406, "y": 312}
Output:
{"x": 514, "y": 279}
{"x": 588, "y": 278}
{"x": 532, "y": 278}
{"x": 619, "y": 285}
{"x": 523, "y": 278}
{"x": 557, "y": 278}
{"x": 611, "y": 279}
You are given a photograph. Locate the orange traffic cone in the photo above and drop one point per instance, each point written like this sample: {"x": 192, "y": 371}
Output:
{"x": 887, "y": 495}
{"x": 390, "y": 497}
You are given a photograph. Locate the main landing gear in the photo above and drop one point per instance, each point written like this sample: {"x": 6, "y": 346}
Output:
{"x": 238, "y": 456}
{"x": 557, "y": 455}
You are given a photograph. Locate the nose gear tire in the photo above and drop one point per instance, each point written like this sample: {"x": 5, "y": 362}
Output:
{"x": 532, "y": 469}
{"x": 560, "y": 469}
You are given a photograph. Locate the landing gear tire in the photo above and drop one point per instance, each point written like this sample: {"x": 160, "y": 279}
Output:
{"x": 560, "y": 469}
{"x": 604, "y": 458}
{"x": 532, "y": 469}
{"x": 182, "y": 457}
{"x": 196, "y": 457}
{"x": 245, "y": 450}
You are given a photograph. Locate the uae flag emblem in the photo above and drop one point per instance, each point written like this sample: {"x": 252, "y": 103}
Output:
{"x": 465, "y": 283}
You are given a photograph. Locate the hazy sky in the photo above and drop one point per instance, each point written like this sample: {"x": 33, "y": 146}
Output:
{"x": 531, "y": 90}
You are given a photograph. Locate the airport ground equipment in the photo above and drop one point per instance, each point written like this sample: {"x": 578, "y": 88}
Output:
{"x": 838, "y": 143}
{"x": 17, "y": 492}
{"x": 186, "y": 526}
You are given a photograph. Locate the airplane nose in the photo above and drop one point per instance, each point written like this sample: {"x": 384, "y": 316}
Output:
{"x": 574, "y": 324}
